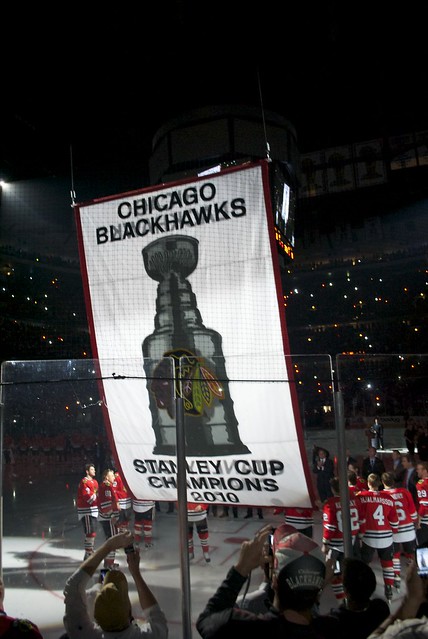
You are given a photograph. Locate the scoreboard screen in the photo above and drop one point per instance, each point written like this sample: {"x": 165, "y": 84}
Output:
{"x": 283, "y": 193}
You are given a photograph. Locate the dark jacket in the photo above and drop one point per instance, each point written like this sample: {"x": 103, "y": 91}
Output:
{"x": 398, "y": 471}
{"x": 378, "y": 468}
{"x": 359, "y": 624}
{"x": 324, "y": 475}
{"x": 410, "y": 484}
{"x": 222, "y": 620}
{"x": 422, "y": 444}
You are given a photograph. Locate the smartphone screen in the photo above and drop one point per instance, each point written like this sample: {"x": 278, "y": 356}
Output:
{"x": 422, "y": 561}
{"x": 103, "y": 573}
{"x": 270, "y": 552}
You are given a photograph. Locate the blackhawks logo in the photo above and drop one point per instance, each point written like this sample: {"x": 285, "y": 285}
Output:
{"x": 194, "y": 382}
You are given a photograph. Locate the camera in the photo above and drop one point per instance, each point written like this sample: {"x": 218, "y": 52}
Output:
{"x": 333, "y": 555}
{"x": 422, "y": 561}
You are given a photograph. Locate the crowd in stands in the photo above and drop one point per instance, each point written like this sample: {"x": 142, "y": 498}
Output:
{"x": 364, "y": 305}
{"x": 373, "y": 305}
{"x": 43, "y": 314}
{"x": 63, "y": 452}
{"x": 367, "y": 306}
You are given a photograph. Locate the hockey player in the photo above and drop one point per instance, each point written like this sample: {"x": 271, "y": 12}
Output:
{"x": 143, "y": 521}
{"x": 87, "y": 507}
{"x": 197, "y": 514}
{"x": 422, "y": 490}
{"x": 109, "y": 508}
{"x": 405, "y": 537}
{"x": 301, "y": 519}
{"x": 332, "y": 535}
{"x": 125, "y": 502}
{"x": 380, "y": 521}
{"x": 359, "y": 483}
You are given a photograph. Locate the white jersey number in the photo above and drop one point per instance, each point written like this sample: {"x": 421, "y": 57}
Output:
{"x": 353, "y": 515}
{"x": 379, "y": 516}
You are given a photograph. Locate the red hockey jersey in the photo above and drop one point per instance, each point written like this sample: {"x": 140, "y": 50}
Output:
{"x": 332, "y": 534}
{"x": 379, "y": 518}
{"x": 87, "y": 502}
{"x": 422, "y": 488}
{"x": 299, "y": 518}
{"x": 196, "y": 511}
{"x": 108, "y": 501}
{"x": 15, "y": 627}
{"x": 122, "y": 492}
{"x": 142, "y": 505}
{"x": 406, "y": 512}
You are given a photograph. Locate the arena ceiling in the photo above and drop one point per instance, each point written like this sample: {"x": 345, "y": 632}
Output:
{"x": 87, "y": 91}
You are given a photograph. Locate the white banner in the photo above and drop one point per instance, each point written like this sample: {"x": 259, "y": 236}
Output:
{"x": 183, "y": 279}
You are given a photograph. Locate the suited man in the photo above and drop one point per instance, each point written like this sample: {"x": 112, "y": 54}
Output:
{"x": 372, "y": 464}
{"x": 323, "y": 467}
{"x": 410, "y": 477}
{"x": 422, "y": 440}
{"x": 377, "y": 434}
{"x": 397, "y": 467}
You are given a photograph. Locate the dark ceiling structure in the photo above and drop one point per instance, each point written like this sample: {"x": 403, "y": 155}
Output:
{"x": 88, "y": 93}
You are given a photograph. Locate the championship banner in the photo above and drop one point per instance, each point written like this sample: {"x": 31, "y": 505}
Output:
{"x": 184, "y": 299}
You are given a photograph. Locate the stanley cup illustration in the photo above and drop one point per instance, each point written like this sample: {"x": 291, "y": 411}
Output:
{"x": 211, "y": 427}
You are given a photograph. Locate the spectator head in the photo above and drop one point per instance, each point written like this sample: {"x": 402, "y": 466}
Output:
{"x": 395, "y": 454}
{"x": 407, "y": 460}
{"x": 112, "y": 608}
{"x": 323, "y": 453}
{"x": 279, "y": 533}
{"x": 388, "y": 480}
{"x": 299, "y": 572}
{"x": 352, "y": 478}
{"x": 359, "y": 580}
{"x": 372, "y": 451}
{"x": 374, "y": 481}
